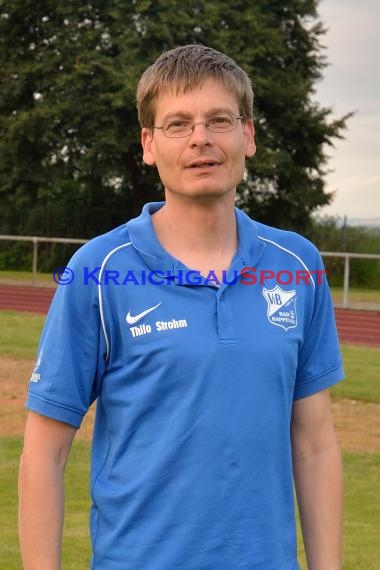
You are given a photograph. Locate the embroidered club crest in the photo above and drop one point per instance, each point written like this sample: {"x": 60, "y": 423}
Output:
{"x": 281, "y": 310}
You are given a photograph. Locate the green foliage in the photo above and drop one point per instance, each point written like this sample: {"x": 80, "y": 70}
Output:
{"x": 329, "y": 235}
{"x": 70, "y": 158}
{"x": 17, "y": 255}
{"x": 66, "y": 108}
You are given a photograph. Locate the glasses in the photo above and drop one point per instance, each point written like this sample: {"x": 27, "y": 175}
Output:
{"x": 221, "y": 123}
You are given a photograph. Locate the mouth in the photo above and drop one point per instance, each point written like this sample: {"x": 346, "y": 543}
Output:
{"x": 203, "y": 164}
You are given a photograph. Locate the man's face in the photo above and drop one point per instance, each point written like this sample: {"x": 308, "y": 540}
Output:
{"x": 203, "y": 164}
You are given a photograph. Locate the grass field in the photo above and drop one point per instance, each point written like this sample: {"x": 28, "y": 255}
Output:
{"x": 362, "y": 367}
{"x": 357, "y": 295}
{"x": 362, "y": 509}
{"x": 76, "y": 546}
{"x": 19, "y": 335}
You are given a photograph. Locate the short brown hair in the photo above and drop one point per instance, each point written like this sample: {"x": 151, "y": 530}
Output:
{"x": 186, "y": 67}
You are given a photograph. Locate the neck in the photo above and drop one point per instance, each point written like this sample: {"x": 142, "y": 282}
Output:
{"x": 198, "y": 233}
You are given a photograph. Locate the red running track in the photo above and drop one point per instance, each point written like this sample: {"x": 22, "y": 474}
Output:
{"x": 354, "y": 326}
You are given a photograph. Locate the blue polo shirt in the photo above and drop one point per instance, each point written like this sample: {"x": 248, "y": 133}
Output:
{"x": 194, "y": 380}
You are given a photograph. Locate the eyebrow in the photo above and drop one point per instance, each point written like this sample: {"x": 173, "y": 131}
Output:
{"x": 188, "y": 115}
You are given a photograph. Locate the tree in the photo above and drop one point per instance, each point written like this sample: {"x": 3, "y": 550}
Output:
{"x": 68, "y": 127}
{"x": 70, "y": 158}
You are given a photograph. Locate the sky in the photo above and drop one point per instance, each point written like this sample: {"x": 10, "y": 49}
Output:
{"x": 351, "y": 82}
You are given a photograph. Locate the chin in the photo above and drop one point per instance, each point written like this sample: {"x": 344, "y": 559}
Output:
{"x": 201, "y": 190}
{"x": 209, "y": 193}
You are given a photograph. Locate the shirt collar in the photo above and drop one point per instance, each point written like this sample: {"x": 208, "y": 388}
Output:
{"x": 145, "y": 242}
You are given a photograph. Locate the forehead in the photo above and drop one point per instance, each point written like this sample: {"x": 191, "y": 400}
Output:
{"x": 202, "y": 98}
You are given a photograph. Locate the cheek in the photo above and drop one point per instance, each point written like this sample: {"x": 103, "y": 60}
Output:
{"x": 238, "y": 169}
{"x": 238, "y": 156}
{"x": 166, "y": 170}
{"x": 167, "y": 156}
{"x": 164, "y": 164}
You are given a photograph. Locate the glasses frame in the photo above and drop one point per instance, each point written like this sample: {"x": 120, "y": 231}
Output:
{"x": 205, "y": 123}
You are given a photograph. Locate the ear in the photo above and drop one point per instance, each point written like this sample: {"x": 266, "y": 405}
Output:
{"x": 147, "y": 145}
{"x": 249, "y": 133}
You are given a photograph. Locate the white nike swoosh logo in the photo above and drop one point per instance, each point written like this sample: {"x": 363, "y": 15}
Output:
{"x": 131, "y": 320}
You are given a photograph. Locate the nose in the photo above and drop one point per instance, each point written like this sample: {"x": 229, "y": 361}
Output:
{"x": 200, "y": 136}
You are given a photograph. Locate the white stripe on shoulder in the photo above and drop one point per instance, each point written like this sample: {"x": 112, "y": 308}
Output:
{"x": 101, "y": 309}
{"x": 290, "y": 253}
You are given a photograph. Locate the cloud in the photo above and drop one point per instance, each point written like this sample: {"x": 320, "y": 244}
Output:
{"x": 352, "y": 83}
{"x": 356, "y": 197}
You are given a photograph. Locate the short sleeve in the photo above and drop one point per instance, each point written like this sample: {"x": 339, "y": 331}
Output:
{"x": 319, "y": 362}
{"x": 71, "y": 353}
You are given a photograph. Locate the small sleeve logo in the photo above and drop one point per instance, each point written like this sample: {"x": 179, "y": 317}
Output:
{"x": 35, "y": 375}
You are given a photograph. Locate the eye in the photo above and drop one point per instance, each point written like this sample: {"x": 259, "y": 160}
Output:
{"x": 221, "y": 121}
{"x": 177, "y": 125}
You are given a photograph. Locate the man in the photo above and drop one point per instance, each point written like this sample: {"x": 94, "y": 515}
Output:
{"x": 209, "y": 343}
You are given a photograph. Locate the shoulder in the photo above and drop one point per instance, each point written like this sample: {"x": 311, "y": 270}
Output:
{"x": 288, "y": 242}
